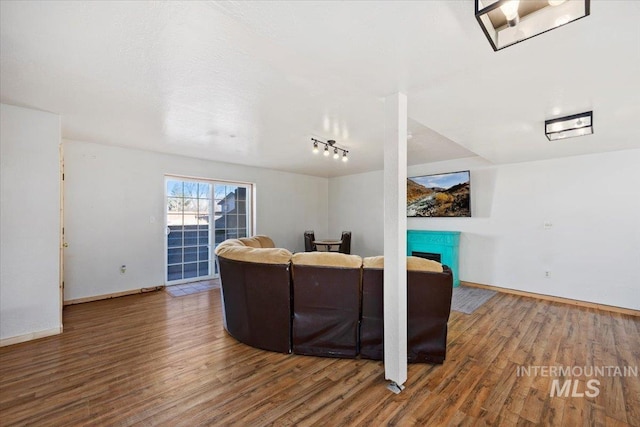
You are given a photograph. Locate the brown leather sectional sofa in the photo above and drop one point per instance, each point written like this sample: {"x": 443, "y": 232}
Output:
{"x": 327, "y": 304}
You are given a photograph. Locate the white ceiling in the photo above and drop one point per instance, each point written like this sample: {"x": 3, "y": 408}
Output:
{"x": 251, "y": 82}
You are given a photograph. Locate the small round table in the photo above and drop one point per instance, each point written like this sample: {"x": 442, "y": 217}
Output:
{"x": 328, "y": 244}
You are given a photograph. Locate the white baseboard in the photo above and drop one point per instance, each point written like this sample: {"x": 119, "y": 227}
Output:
{"x": 30, "y": 336}
{"x": 113, "y": 295}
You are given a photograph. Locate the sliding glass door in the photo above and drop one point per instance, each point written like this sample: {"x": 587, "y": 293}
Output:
{"x": 200, "y": 212}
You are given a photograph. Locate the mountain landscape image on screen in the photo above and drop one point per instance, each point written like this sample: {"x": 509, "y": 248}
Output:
{"x": 444, "y": 195}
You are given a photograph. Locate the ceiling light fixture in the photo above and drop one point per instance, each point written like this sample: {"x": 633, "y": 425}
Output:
{"x": 507, "y": 22}
{"x": 330, "y": 143}
{"x": 569, "y": 126}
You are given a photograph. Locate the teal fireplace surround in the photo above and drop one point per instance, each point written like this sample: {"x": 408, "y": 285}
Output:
{"x": 445, "y": 243}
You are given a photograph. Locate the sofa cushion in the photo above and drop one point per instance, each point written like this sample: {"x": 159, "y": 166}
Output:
{"x": 327, "y": 259}
{"x": 265, "y": 241}
{"x": 251, "y": 242}
{"x": 257, "y": 255}
{"x": 258, "y": 241}
{"x": 373, "y": 262}
{"x": 258, "y": 249}
{"x": 414, "y": 263}
{"x": 230, "y": 242}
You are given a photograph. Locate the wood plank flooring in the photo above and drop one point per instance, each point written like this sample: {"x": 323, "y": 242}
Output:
{"x": 153, "y": 359}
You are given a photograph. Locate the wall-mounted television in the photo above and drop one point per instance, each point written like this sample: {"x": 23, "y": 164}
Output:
{"x": 441, "y": 195}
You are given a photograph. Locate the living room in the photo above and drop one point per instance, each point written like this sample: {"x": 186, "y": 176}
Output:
{"x": 556, "y": 219}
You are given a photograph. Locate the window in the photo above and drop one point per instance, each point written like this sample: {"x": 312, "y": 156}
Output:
{"x": 199, "y": 212}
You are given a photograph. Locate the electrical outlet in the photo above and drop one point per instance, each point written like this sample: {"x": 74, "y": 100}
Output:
{"x": 123, "y": 269}
{"x": 547, "y": 274}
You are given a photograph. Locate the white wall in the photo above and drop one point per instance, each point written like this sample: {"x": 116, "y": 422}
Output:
{"x": 356, "y": 204}
{"x": 592, "y": 249}
{"x": 30, "y": 303}
{"x": 111, "y": 193}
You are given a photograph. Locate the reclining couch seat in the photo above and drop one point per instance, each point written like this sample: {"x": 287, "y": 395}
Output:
{"x": 429, "y": 290}
{"x": 256, "y": 292}
{"x": 326, "y": 303}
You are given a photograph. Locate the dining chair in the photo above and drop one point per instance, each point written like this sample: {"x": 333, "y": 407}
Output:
{"x": 309, "y": 237}
{"x": 345, "y": 246}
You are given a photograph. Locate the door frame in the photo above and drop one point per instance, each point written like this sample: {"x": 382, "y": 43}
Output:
{"x": 212, "y": 243}
{"x": 63, "y": 243}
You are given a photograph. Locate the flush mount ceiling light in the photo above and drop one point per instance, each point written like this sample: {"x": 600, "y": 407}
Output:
{"x": 507, "y": 22}
{"x": 569, "y": 126}
{"x": 329, "y": 147}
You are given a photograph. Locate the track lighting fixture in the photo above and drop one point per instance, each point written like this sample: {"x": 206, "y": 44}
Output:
{"x": 330, "y": 144}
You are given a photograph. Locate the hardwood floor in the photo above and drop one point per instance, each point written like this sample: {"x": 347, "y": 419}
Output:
{"x": 154, "y": 359}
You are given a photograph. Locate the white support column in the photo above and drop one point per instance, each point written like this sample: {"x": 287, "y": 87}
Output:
{"x": 395, "y": 239}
